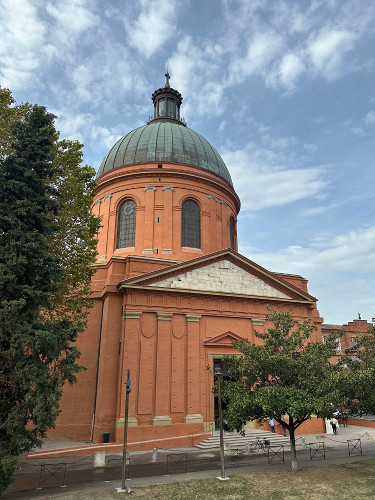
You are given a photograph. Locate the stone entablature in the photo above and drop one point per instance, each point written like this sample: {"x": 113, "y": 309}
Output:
{"x": 223, "y": 276}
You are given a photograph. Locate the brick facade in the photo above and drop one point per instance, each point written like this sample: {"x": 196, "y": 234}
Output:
{"x": 165, "y": 311}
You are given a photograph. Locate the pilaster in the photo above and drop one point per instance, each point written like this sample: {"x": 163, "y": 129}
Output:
{"x": 193, "y": 369}
{"x": 167, "y": 244}
{"x": 148, "y": 243}
{"x": 129, "y": 352}
{"x": 163, "y": 369}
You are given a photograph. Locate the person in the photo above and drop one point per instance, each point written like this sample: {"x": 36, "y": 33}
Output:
{"x": 272, "y": 424}
{"x": 284, "y": 428}
{"x": 334, "y": 425}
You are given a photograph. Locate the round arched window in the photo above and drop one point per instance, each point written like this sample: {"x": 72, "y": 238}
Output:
{"x": 191, "y": 224}
{"x": 126, "y": 224}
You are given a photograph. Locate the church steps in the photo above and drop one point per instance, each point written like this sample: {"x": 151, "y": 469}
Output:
{"x": 234, "y": 440}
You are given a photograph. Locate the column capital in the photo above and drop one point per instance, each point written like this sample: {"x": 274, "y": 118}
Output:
{"x": 150, "y": 188}
{"x": 162, "y": 316}
{"x": 132, "y": 314}
{"x": 193, "y": 318}
{"x": 168, "y": 188}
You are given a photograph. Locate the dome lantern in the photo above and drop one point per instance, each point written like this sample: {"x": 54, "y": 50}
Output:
{"x": 167, "y": 102}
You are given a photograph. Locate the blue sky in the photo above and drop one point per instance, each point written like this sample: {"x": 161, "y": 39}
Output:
{"x": 284, "y": 90}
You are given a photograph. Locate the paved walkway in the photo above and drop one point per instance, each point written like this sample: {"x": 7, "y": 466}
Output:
{"x": 81, "y": 476}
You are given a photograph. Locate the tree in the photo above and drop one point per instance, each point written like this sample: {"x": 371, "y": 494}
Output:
{"x": 74, "y": 242}
{"x": 9, "y": 114}
{"x": 287, "y": 378}
{"x": 74, "y": 238}
{"x": 39, "y": 195}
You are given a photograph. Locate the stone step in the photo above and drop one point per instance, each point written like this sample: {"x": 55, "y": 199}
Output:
{"x": 234, "y": 440}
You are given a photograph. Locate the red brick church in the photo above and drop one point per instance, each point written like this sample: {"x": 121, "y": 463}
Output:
{"x": 171, "y": 291}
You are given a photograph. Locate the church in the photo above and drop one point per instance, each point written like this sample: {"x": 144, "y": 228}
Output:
{"x": 171, "y": 292}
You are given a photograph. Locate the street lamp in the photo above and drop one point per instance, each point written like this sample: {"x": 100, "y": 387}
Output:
{"x": 124, "y": 486}
{"x": 219, "y": 375}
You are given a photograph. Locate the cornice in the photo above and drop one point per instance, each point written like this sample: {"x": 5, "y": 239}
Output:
{"x": 155, "y": 172}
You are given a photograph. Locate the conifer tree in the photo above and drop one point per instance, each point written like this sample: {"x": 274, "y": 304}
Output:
{"x": 36, "y": 351}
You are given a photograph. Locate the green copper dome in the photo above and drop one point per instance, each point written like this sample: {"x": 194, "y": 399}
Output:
{"x": 165, "y": 140}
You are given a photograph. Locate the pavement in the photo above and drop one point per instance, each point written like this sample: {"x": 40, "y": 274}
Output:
{"x": 54, "y": 477}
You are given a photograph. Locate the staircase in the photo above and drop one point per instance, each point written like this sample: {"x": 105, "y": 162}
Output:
{"x": 234, "y": 440}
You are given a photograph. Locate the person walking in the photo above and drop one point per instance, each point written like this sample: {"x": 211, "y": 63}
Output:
{"x": 334, "y": 425}
{"x": 272, "y": 424}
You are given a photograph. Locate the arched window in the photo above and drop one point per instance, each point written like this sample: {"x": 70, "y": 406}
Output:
{"x": 126, "y": 224}
{"x": 191, "y": 224}
{"x": 231, "y": 233}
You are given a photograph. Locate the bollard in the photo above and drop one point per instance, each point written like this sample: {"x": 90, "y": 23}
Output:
{"x": 99, "y": 459}
{"x": 154, "y": 456}
{"x": 247, "y": 448}
{"x": 303, "y": 443}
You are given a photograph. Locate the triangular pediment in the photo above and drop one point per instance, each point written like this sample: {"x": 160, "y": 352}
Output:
{"x": 223, "y": 273}
{"x": 222, "y": 276}
{"x": 225, "y": 339}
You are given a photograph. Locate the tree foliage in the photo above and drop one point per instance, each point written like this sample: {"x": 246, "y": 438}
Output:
{"x": 287, "y": 378}
{"x": 74, "y": 241}
{"x": 10, "y": 112}
{"x": 44, "y": 197}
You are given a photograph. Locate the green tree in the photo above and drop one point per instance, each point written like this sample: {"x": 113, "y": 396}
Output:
{"x": 9, "y": 114}
{"x": 74, "y": 242}
{"x": 287, "y": 378}
{"x": 43, "y": 293}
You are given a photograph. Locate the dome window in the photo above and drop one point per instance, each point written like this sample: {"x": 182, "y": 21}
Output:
{"x": 126, "y": 224}
{"x": 190, "y": 224}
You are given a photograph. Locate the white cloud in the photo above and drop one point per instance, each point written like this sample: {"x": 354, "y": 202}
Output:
{"x": 262, "y": 180}
{"x": 196, "y": 73}
{"x": 153, "y": 27}
{"x": 327, "y": 51}
{"x": 21, "y": 47}
{"x": 291, "y": 68}
{"x": 340, "y": 269}
{"x": 312, "y": 212}
{"x": 70, "y": 20}
{"x": 262, "y": 49}
{"x": 370, "y": 118}
{"x": 349, "y": 252}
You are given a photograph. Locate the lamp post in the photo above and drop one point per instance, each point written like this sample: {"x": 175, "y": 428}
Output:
{"x": 124, "y": 486}
{"x": 219, "y": 375}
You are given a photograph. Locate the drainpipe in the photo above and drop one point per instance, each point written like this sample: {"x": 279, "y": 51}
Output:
{"x": 97, "y": 373}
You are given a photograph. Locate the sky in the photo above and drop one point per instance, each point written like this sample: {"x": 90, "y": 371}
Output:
{"x": 284, "y": 90}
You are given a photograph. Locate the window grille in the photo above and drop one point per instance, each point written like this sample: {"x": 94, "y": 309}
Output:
{"x": 191, "y": 224}
{"x": 126, "y": 224}
{"x": 231, "y": 232}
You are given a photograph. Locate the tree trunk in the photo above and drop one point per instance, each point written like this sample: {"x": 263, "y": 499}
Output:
{"x": 292, "y": 446}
